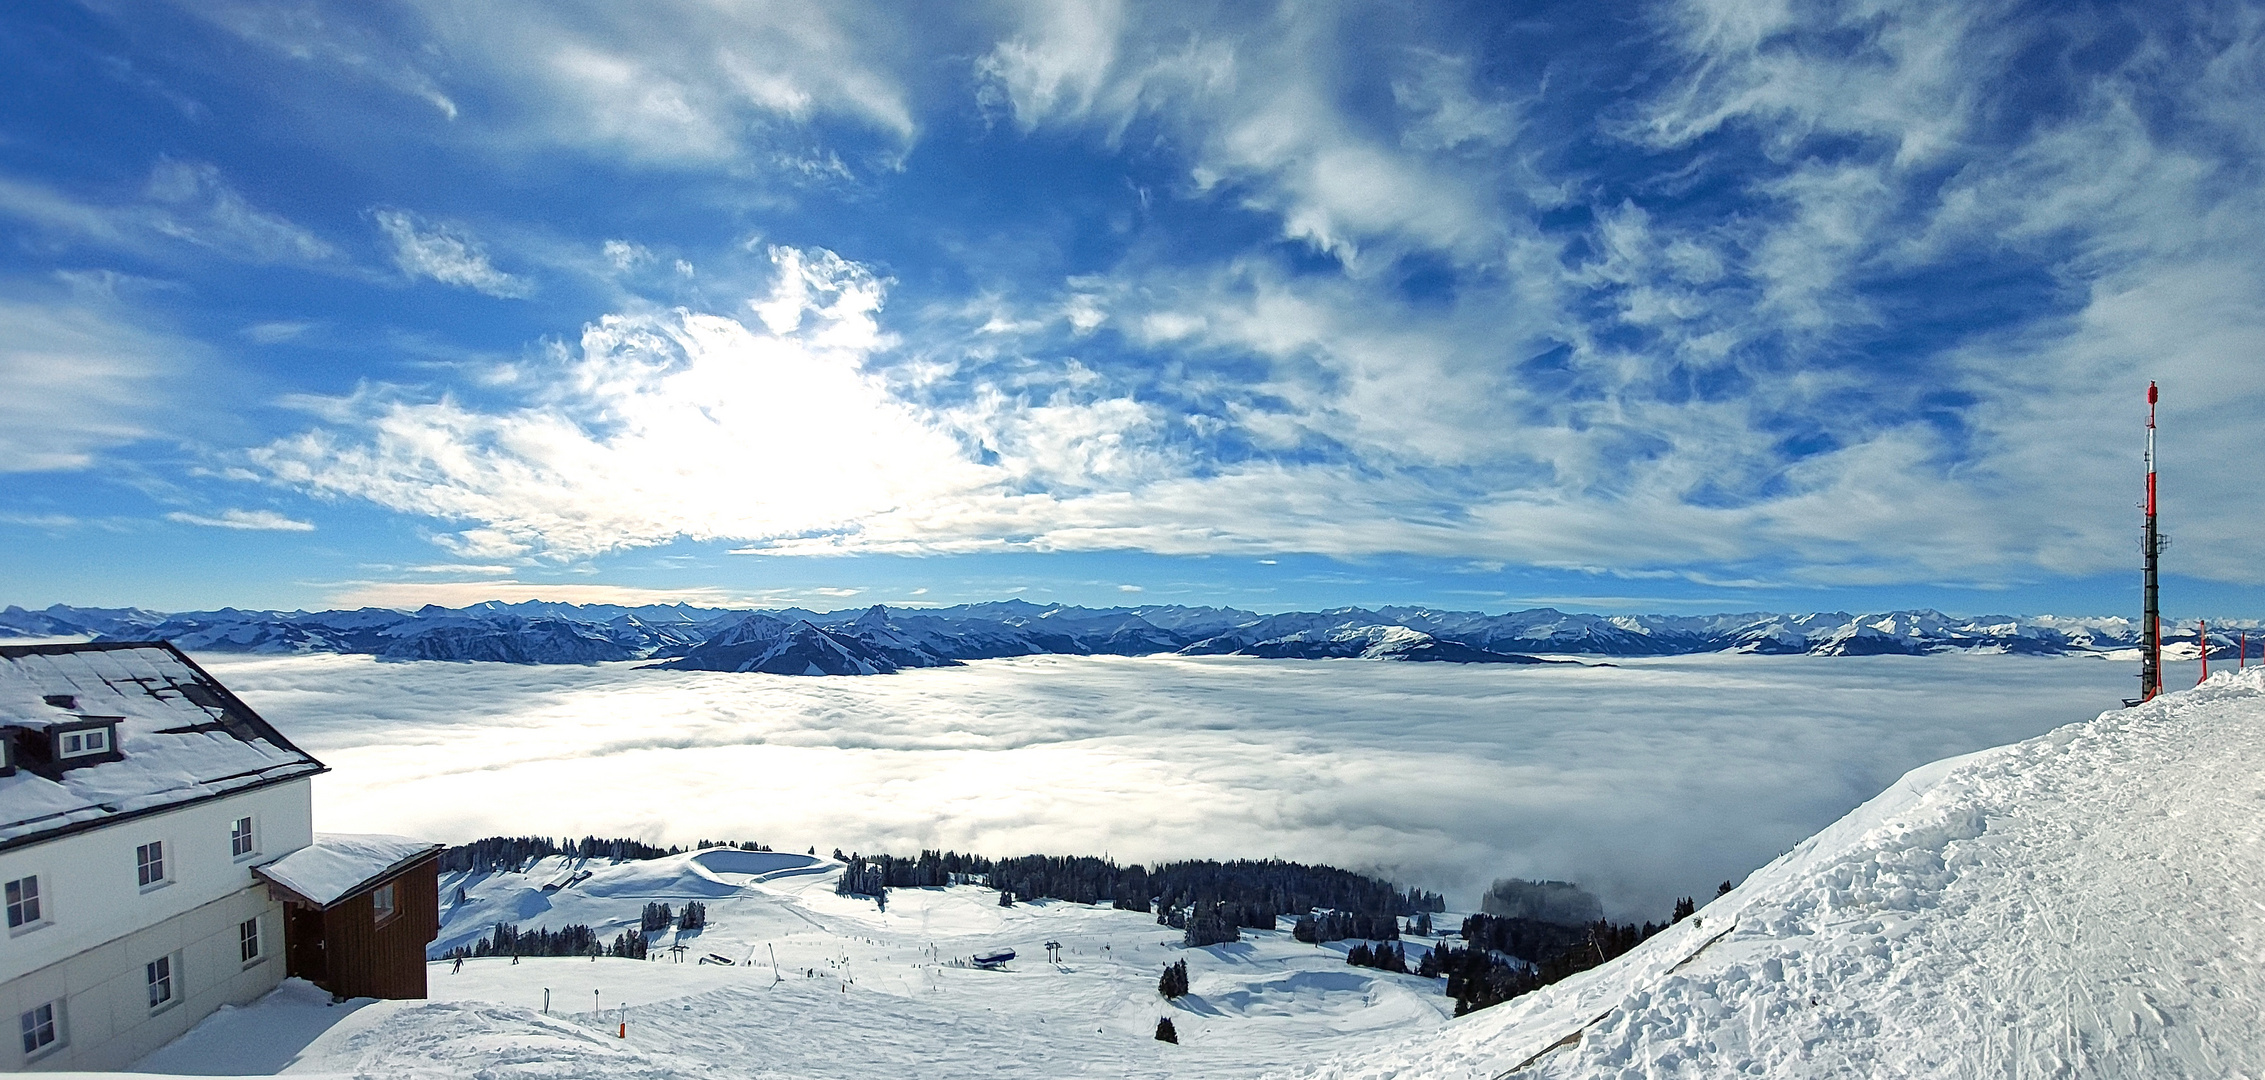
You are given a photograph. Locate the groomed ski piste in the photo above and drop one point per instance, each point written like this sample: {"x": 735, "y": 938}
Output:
{"x": 2087, "y": 903}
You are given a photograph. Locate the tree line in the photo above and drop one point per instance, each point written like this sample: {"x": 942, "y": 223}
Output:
{"x": 576, "y": 939}
{"x": 1317, "y": 927}
{"x": 1254, "y": 893}
{"x": 1502, "y": 958}
{"x": 658, "y": 917}
{"x": 514, "y": 853}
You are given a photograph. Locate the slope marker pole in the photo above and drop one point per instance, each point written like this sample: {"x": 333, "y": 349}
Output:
{"x": 2202, "y": 638}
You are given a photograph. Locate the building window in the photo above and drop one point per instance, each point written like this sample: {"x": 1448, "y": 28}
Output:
{"x": 248, "y": 939}
{"x": 83, "y": 743}
{"x": 23, "y": 902}
{"x": 39, "y": 1029}
{"x": 381, "y": 903}
{"x": 160, "y": 973}
{"x": 149, "y": 863}
{"x": 240, "y": 837}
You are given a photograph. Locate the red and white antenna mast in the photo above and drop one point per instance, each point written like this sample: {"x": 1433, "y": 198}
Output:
{"x": 2151, "y": 619}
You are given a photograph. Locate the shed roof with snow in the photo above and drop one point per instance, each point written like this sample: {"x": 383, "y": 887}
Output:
{"x": 338, "y": 865}
{"x": 96, "y": 733}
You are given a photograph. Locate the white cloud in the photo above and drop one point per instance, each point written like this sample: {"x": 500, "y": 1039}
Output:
{"x": 2153, "y": 247}
{"x": 250, "y": 520}
{"x": 679, "y": 82}
{"x": 1257, "y": 107}
{"x": 446, "y": 255}
{"x": 182, "y": 203}
{"x": 78, "y": 377}
{"x": 201, "y": 208}
{"x": 410, "y": 595}
{"x": 1717, "y": 764}
{"x": 271, "y": 333}
{"x": 657, "y": 426}
{"x": 626, "y": 256}
{"x": 39, "y": 521}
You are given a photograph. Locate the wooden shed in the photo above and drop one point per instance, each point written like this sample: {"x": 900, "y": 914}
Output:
{"x": 359, "y": 912}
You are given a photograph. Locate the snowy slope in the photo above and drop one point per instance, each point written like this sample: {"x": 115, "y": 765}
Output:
{"x": 856, "y": 990}
{"x": 2087, "y": 903}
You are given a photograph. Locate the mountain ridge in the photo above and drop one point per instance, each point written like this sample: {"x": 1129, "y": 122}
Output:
{"x": 878, "y": 639}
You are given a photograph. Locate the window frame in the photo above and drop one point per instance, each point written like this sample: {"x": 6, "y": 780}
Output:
{"x": 59, "y": 735}
{"x": 163, "y": 972}
{"x": 244, "y": 845}
{"x": 40, "y": 914}
{"x": 381, "y": 914}
{"x": 248, "y": 943}
{"x": 150, "y": 870}
{"x": 29, "y": 1024}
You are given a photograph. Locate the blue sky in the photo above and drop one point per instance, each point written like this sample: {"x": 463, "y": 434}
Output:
{"x": 1647, "y": 306}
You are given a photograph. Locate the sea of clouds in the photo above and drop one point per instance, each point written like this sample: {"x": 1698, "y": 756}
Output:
{"x": 1644, "y": 781}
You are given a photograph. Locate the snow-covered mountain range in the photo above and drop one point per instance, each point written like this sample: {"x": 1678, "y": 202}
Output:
{"x": 878, "y": 640}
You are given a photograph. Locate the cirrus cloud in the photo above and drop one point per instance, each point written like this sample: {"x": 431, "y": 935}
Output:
{"x": 248, "y": 520}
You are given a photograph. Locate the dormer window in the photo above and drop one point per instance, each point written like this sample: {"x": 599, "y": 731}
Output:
{"x": 87, "y": 740}
{"x": 84, "y": 743}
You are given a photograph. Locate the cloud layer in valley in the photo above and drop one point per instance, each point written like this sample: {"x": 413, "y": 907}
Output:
{"x": 1645, "y": 781}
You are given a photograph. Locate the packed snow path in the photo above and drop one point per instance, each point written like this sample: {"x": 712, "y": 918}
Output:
{"x": 2087, "y": 903}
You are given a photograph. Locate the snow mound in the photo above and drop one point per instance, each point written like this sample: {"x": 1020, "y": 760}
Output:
{"x": 2086, "y": 903}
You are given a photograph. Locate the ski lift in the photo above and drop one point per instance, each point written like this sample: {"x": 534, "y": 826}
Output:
{"x": 993, "y": 961}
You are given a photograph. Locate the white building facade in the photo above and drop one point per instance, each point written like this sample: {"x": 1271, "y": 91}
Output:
{"x": 126, "y": 856}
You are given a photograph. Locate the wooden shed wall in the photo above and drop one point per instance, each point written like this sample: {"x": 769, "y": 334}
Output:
{"x": 362, "y": 959}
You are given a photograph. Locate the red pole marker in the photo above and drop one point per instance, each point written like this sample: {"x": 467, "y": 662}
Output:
{"x": 2202, "y": 638}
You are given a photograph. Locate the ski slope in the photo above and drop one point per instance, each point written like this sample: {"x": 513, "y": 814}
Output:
{"x": 2087, "y": 903}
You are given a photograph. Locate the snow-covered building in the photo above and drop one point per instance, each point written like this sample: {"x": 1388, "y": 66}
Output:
{"x": 360, "y": 911}
{"x": 136, "y": 796}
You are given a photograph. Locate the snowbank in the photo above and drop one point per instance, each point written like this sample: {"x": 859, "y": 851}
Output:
{"x": 2085, "y": 903}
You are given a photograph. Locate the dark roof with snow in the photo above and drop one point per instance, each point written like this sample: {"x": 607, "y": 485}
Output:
{"x": 181, "y": 738}
{"x": 339, "y": 865}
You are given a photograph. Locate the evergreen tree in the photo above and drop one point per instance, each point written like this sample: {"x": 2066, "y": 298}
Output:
{"x": 1723, "y": 889}
{"x": 695, "y": 916}
{"x": 1210, "y": 924}
{"x": 1165, "y": 1032}
{"x": 1684, "y": 909}
{"x": 1174, "y": 983}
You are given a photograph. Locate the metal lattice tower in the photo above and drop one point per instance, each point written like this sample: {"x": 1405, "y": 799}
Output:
{"x": 2151, "y": 618}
